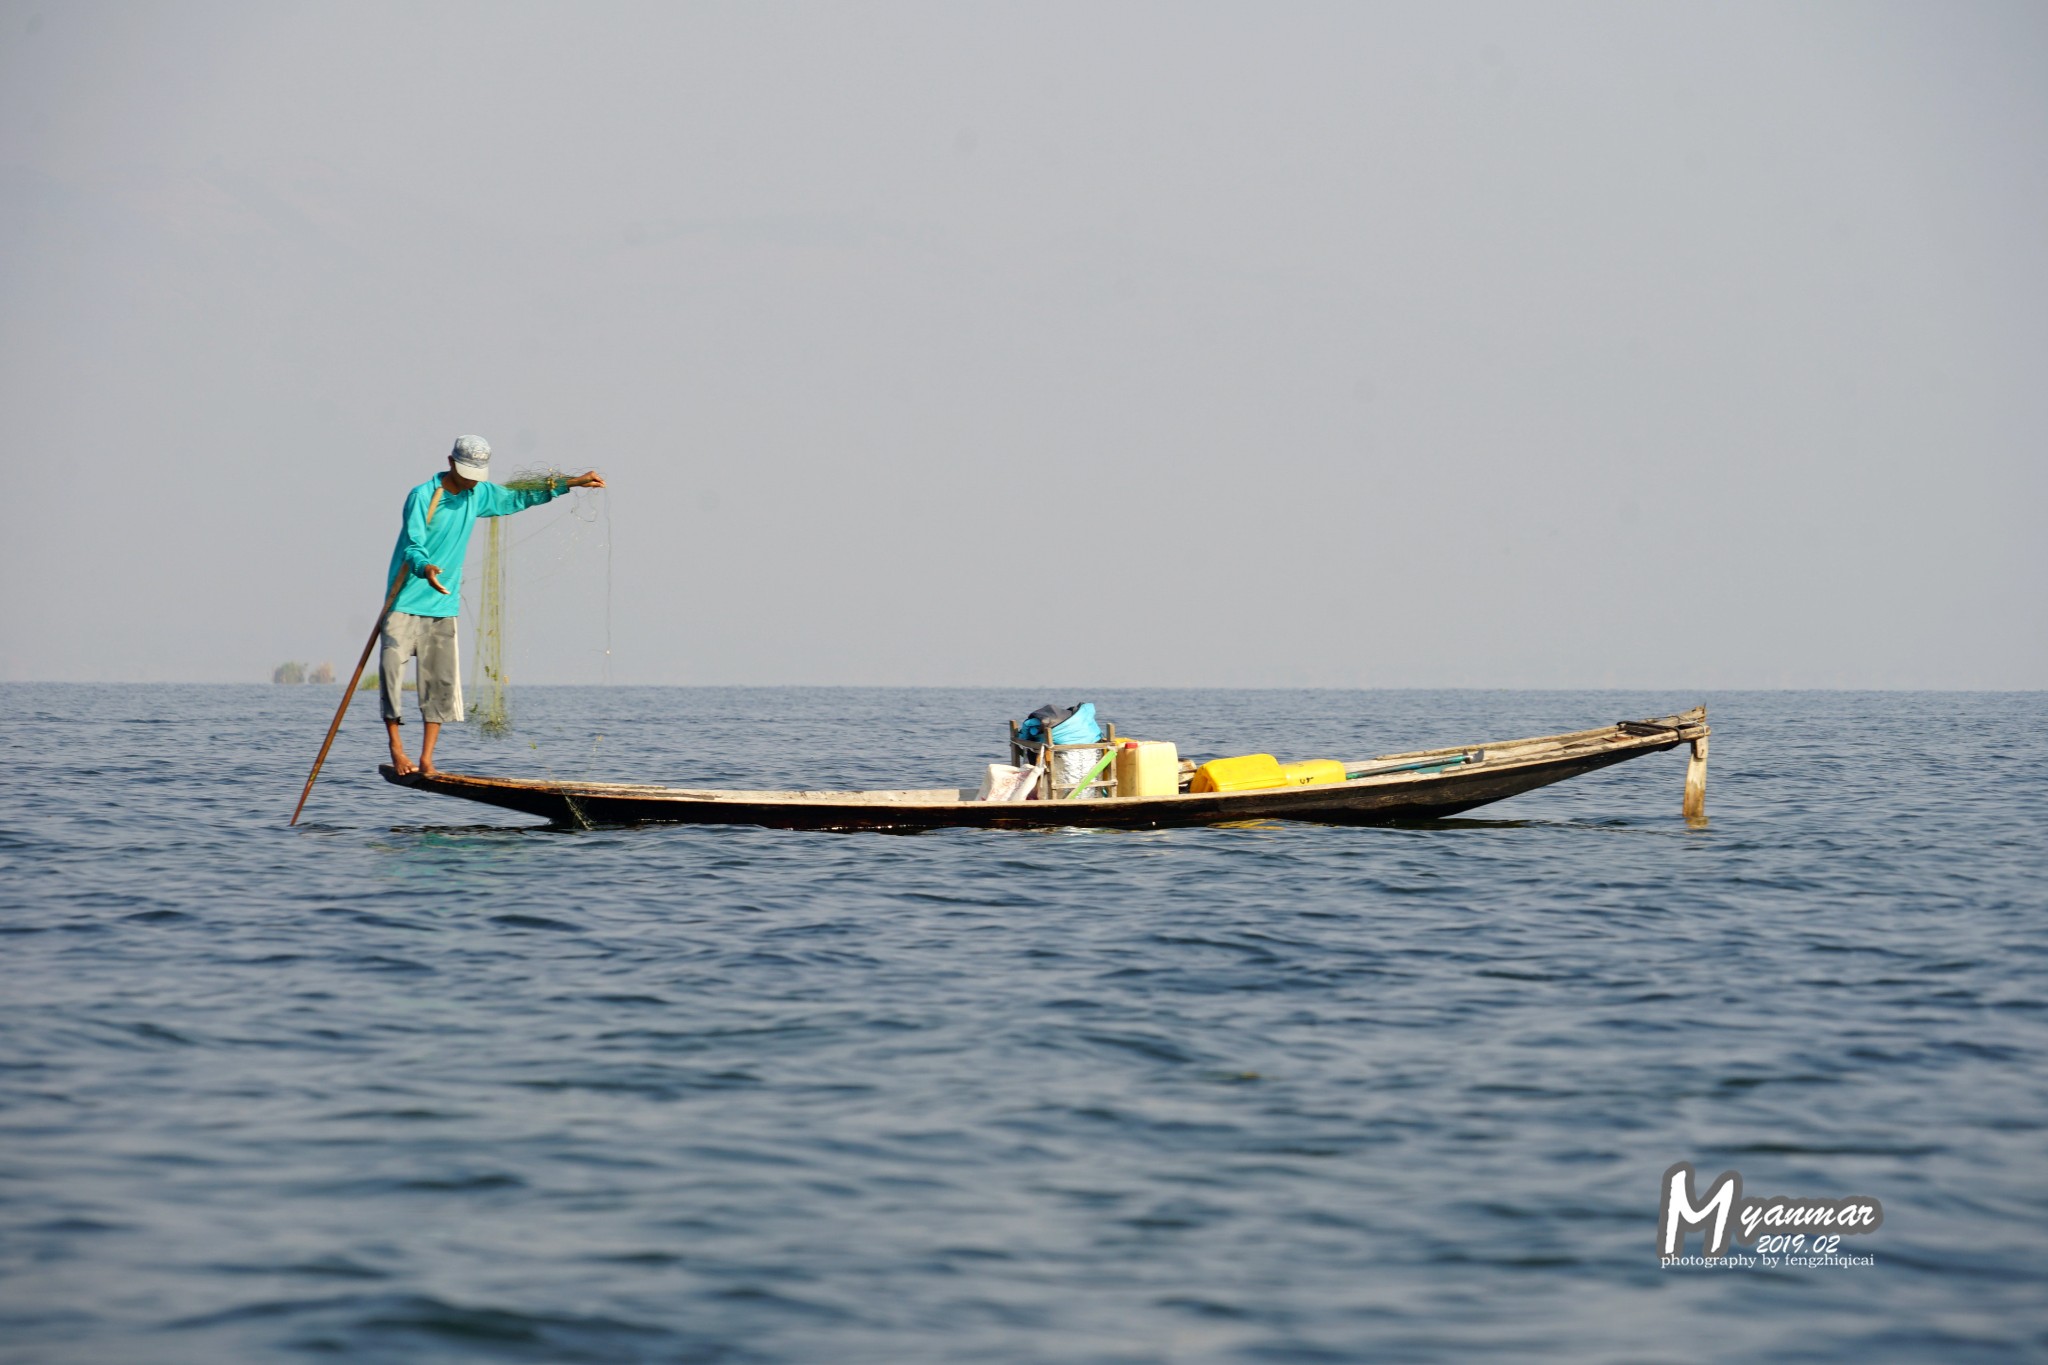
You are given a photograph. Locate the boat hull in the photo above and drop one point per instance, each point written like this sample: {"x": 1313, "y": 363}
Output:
{"x": 1506, "y": 770}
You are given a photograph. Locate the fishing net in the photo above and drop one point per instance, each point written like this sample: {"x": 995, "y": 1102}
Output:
{"x": 492, "y": 713}
{"x": 492, "y": 709}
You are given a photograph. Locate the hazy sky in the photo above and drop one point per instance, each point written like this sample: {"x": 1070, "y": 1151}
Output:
{"x": 1676, "y": 346}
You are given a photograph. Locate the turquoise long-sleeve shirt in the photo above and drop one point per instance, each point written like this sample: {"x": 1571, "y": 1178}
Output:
{"x": 445, "y": 543}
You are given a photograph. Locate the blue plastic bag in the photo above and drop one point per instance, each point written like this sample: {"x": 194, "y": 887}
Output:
{"x": 1077, "y": 726}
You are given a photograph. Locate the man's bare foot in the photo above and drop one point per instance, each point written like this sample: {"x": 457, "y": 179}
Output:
{"x": 427, "y": 768}
{"x": 394, "y": 737}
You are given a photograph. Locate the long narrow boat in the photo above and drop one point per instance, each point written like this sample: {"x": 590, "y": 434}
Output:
{"x": 1423, "y": 785}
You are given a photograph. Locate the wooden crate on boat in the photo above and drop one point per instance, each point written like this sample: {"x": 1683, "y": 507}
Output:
{"x": 1023, "y": 753}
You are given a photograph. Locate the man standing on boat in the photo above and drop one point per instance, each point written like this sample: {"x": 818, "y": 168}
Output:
{"x": 433, "y": 539}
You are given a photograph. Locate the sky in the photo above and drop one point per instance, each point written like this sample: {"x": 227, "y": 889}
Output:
{"x": 1111, "y": 344}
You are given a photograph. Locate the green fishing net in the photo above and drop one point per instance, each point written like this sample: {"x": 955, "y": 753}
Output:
{"x": 490, "y": 708}
{"x": 490, "y": 711}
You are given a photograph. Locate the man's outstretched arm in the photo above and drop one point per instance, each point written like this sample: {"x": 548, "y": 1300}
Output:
{"x": 504, "y": 500}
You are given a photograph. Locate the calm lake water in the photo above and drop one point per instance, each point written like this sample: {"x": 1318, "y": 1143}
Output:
{"x": 421, "y": 1081}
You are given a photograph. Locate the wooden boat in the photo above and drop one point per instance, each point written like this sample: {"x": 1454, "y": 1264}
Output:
{"x": 1425, "y": 784}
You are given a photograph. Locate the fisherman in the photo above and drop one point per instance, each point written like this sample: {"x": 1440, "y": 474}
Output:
{"x": 432, "y": 541}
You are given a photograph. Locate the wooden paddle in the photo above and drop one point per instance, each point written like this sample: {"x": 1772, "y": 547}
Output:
{"x": 348, "y": 694}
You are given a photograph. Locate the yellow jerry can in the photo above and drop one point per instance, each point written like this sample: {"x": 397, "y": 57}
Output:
{"x": 1250, "y": 772}
{"x": 1310, "y": 771}
{"x": 1147, "y": 767}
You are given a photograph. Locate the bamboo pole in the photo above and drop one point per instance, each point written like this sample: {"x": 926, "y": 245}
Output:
{"x": 1696, "y": 781}
{"x": 348, "y": 693}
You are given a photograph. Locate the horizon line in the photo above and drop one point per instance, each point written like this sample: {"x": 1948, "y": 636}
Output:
{"x": 1042, "y": 687}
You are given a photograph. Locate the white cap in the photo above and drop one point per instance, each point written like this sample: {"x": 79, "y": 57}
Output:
{"x": 472, "y": 456}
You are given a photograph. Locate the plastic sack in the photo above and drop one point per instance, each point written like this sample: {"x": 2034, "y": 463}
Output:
{"x": 1004, "y": 782}
{"x": 1070, "y": 770}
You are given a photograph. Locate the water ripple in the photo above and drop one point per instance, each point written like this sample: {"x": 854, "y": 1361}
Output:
{"x": 412, "y": 1082}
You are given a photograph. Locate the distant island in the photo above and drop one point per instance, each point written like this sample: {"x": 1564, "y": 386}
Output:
{"x": 295, "y": 672}
{"x": 371, "y": 681}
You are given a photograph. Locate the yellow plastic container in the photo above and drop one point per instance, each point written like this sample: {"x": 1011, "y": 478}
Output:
{"x": 1250, "y": 772}
{"x": 1310, "y": 771}
{"x": 1147, "y": 767}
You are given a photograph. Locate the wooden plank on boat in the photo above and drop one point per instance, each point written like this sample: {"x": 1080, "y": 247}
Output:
{"x": 1696, "y": 781}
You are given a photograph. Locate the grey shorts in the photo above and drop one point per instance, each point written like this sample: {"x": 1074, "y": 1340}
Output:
{"x": 432, "y": 640}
